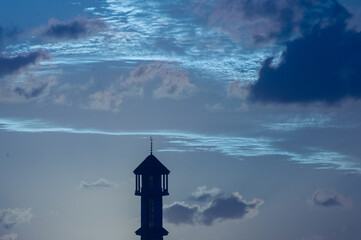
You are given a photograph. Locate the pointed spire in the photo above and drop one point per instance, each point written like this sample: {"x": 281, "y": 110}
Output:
{"x": 151, "y": 145}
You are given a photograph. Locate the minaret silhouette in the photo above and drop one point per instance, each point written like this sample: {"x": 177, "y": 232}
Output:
{"x": 151, "y": 183}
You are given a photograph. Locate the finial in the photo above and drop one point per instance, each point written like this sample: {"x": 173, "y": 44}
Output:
{"x": 151, "y": 145}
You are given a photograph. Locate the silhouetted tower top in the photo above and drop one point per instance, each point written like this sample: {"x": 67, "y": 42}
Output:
{"x": 151, "y": 165}
{"x": 151, "y": 183}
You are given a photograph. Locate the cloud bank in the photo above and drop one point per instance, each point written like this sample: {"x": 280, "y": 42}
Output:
{"x": 12, "y": 217}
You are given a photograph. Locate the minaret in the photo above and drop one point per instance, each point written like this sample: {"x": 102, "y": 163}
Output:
{"x": 151, "y": 183}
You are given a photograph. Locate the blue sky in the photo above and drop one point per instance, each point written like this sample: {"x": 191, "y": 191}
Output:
{"x": 252, "y": 105}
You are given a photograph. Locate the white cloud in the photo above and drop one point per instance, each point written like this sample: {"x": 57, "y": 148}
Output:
{"x": 100, "y": 183}
{"x": 203, "y": 194}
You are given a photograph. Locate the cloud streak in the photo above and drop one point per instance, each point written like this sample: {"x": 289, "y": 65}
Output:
{"x": 234, "y": 146}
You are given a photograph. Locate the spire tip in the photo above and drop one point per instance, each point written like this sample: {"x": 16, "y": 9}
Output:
{"x": 151, "y": 145}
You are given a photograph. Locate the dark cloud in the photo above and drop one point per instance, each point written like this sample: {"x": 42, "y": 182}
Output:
{"x": 322, "y": 66}
{"x": 221, "y": 207}
{"x": 11, "y": 217}
{"x": 328, "y": 198}
{"x": 268, "y": 20}
{"x": 31, "y": 93}
{"x": 72, "y": 29}
{"x": 9, "y": 65}
{"x": 26, "y": 87}
{"x": 180, "y": 212}
{"x": 229, "y": 207}
{"x": 100, "y": 183}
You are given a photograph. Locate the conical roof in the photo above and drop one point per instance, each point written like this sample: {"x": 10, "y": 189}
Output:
{"x": 151, "y": 165}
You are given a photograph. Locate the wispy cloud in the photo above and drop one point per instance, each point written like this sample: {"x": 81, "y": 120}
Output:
{"x": 298, "y": 122}
{"x": 13, "y": 216}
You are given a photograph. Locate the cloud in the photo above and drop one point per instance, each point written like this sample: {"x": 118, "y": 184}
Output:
{"x": 231, "y": 145}
{"x": 237, "y": 89}
{"x": 9, "y": 65}
{"x": 174, "y": 84}
{"x": 180, "y": 212}
{"x": 329, "y": 198}
{"x": 11, "y": 217}
{"x": 203, "y": 194}
{"x": 229, "y": 207}
{"x": 11, "y": 236}
{"x": 220, "y": 208}
{"x": 109, "y": 99}
{"x": 262, "y": 21}
{"x": 322, "y": 66}
{"x": 73, "y": 29}
{"x": 26, "y": 87}
{"x": 100, "y": 183}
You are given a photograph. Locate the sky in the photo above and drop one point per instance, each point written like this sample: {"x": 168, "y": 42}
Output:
{"x": 253, "y": 105}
